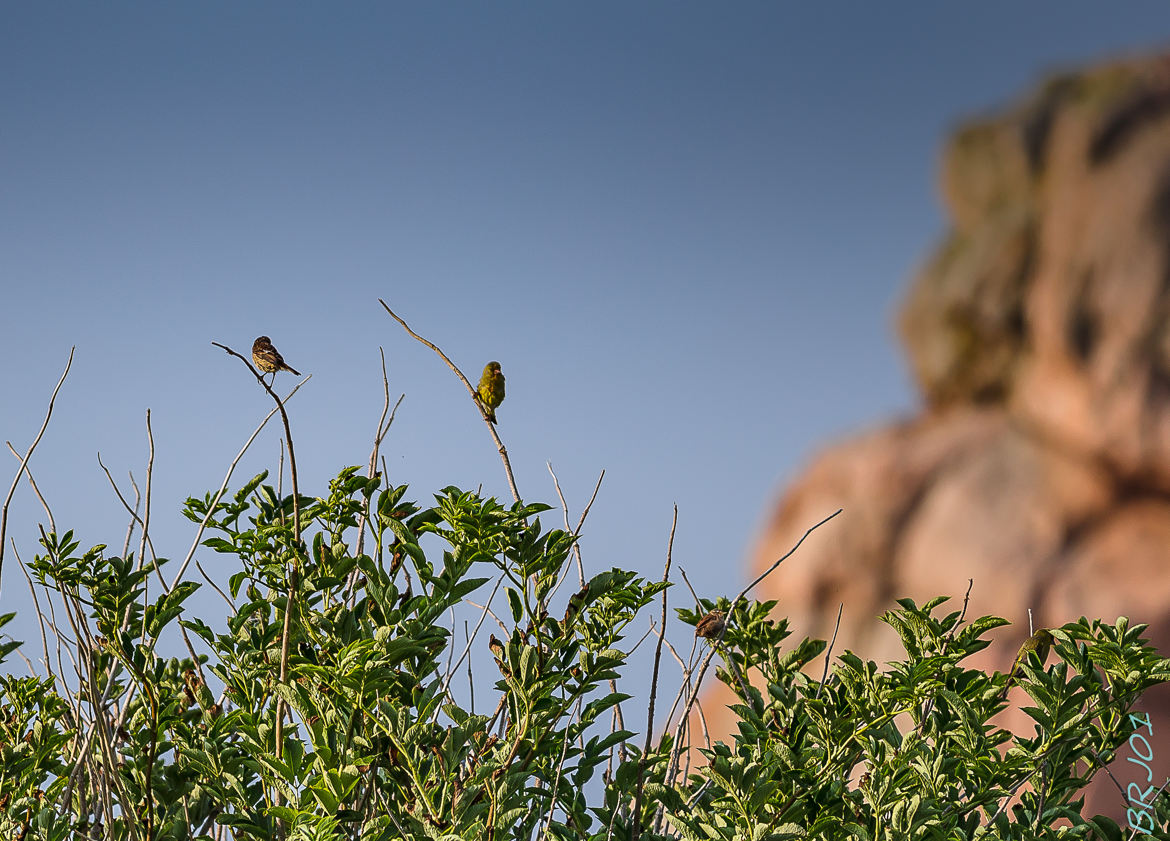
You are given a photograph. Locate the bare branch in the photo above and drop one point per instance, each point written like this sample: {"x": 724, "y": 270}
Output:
{"x": 214, "y": 586}
{"x": 560, "y": 766}
{"x": 380, "y": 433}
{"x": 781, "y": 559}
{"x": 146, "y": 510}
{"x": 829, "y": 650}
{"x": 636, "y": 824}
{"x": 132, "y": 511}
{"x": 694, "y": 595}
{"x": 32, "y": 484}
{"x": 576, "y": 531}
{"x": 40, "y": 618}
{"x": 24, "y": 464}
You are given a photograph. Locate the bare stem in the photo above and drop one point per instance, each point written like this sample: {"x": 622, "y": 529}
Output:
{"x": 829, "y": 650}
{"x": 637, "y": 820}
{"x": 24, "y": 463}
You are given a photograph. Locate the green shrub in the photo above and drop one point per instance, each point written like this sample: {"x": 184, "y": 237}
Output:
{"x": 325, "y": 705}
{"x": 379, "y": 745}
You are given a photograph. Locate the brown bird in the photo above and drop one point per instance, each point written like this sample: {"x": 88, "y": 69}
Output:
{"x": 268, "y": 358}
{"x": 711, "y": 625}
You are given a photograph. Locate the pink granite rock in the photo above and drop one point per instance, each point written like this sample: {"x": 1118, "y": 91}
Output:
{"x": 1040, "y": 336}
{"x": 1039, "y": 333}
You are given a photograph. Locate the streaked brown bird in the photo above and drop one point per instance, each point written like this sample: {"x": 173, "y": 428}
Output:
{"x": 268, "y": 358}
{"x": 491, "y": 389}
{"x": 711, "y": 625}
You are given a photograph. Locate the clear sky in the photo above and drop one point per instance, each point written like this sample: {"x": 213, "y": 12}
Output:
{"x": 683, "y": 228}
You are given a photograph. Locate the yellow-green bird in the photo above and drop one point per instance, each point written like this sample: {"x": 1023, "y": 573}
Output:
{"x": 491, "y": 389}
{"x": 1040, "y": 642}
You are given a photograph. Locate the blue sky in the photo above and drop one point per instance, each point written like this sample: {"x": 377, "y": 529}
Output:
{"x": 683, "y": 228}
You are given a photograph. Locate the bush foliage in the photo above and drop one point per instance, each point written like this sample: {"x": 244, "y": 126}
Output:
{"x": 378, "y": 745}
{"x": 336, "y": 698}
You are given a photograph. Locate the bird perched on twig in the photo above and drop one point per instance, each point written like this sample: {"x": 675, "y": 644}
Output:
{"x": 1040, "y": 643}
{"x": 711, "y": 625}
{"x": 268, "y": 358}
{"x": 491, "y": 389}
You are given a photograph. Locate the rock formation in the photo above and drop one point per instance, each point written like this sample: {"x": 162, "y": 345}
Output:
{"x": 1039, "y": 334}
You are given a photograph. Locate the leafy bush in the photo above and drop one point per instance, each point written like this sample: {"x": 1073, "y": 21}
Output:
{"x": 326, "y": 705}
{"x": 378, "y": 745}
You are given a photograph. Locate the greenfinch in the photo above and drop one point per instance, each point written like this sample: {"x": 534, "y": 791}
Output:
{"x": 1040, "y": 643}
{"x": 491, "y": 389}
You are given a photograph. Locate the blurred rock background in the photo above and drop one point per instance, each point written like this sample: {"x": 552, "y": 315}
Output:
{"x": 1039, "y": 335}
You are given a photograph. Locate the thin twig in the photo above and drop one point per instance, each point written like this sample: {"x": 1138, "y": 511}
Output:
{"x": 32, "y": 484}
{"x": 24, "y": 464}
{"x": 966, "y": 600}
{"x": 491, "y": 613}
{"x": 450, "y": 650}
{"x": 584, "y": 514}
{"x": 41, "y": 619}
{"x": 478, "y": 625}
{"x": 928, "y": 706}
{"x": 829, "y": 650}
{"x": 636, "y": 825}
{"x": 146, "y": 543}
{"x": 673, "y": 651}
{"x": 698, "y": 603}
{"x": 132, "y": 511}
{"x": 616, "y": 723}
{"x": 781, "y": 559}
{"x": 576, "y": 534}
{"x": 684, "y": 685}
{"x": 736, "y": 673}
{"x": 153, "y": 706}
{"x": 470, "y": 676}
{"x": 699, "y": 793}
{"x": 146, "y": 510}
{"x": 560, "y": 765}
{"x": 470, "y": 390}
{"x": 380, "y": 434}
{"x": 706, "y": 734}
{"x": 214, "y": 586}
